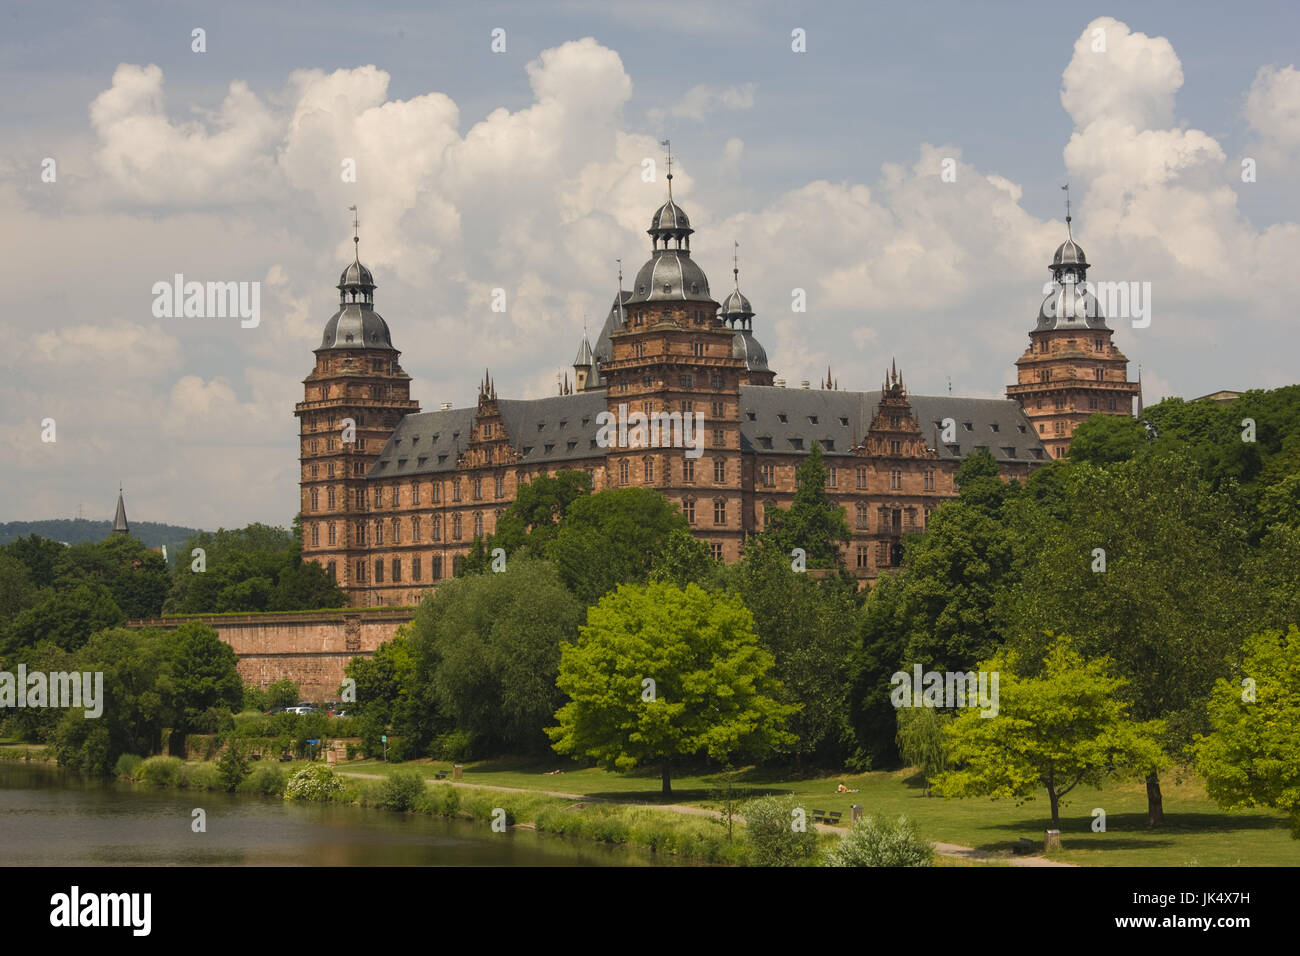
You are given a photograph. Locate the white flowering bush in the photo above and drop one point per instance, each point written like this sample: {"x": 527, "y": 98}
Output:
{"x": 879, "y": 841}
{"x": 313, "y": 783}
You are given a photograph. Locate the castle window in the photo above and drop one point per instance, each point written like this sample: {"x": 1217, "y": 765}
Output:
{"x": 1092, "y": 403}
{"x": 437, "y": 492}
{"x": 333, "y": 534}
{"x": 455, "y": 490}
{"x": 844, "y": 422}
{"x": 862, "y": 556}
{"x": 929, "y": 479}
{"x": 688, "y": 509}
{"x": 719, "y": 470}
{"x": 1096, "y": 345}
{"x": 1097, "y": 374}
{"x": 379, "y": 497}
{"x": 862, "y": 477}
{"x": 397, "y": 532}
{"x": 767, "y": 471}
{"x": 688, "y": 470}
{"x": 455, "y": 527}
{"x": 331, "y": 571}
{"x": 315, "y": 500}
{"x": 315, "y": 470}
{"x": 717, "y": 409}
{"x": 895, "y": 421}
{"x": 478, "y": 524}
{"x": 687, "y": 380}
{"x": 718, "y": 439}
{"x": 437, "y": 567}
{"x": 397, "y": 569}
{"x": 1112, "y": 404}
{"x": 501, "y": 484}
{"x": 862, "y": 516}
{"x": 648, "y": 469}
{"x": 379, "y": 533}
{"x": 478, "y": 486}
{"x": 315, "y": 535}
{"x": 622, "y": 472}
{"x": 361, "y": 572}
{"x": 834, "y": 477}
{"x": 415, "y": 529}
{"x": 1059, "y": 428}
{"x": 415, "y": 492}
{"x": 796, "y": 443}
{"x": 896, "y": 479}
{"x": 895, "y": 447}
{"x": 329, "y": 497}
{"x": 394, "y": 497}
{"x": 719, "y": 511}
{"x": 765, "y": 441}
{"x": 379, "y": 570}
{"x": 415, "y": 569}
{"x": 716, "y": 550}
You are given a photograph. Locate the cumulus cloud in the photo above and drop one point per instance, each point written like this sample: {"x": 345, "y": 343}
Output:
{"x": 703, "y": 99}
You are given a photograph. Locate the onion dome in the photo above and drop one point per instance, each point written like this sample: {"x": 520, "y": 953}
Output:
{"x": 356, "y": 325}
{"x": 1070, "y": 305}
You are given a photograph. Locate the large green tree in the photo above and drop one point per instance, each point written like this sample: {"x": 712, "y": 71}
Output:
{"x": 659, "y": 674}
{"x": 1145, "y": 568}
{"x": 204, "y": 678}
{"x": 1051, "y": 732}
{"x": 1251, "y": 757}
{"x": 487, "y": 653}
{"x": 532, "y": 520}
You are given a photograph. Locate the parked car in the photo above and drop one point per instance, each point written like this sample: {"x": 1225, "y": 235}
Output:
{"x": 276, "y": 710}
{"x": 304, "y": 709}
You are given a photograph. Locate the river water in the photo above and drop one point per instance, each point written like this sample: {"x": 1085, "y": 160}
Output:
{"x": 49, "y": 817}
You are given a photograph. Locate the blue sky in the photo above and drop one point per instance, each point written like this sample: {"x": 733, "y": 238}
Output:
{"x": 521, "y": 170}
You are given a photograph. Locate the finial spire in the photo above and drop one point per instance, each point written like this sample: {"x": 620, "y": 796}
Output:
{"x": 1068, "y": 230}
{"x": 356, "y": 234}
{"x": 668, "y": 145}
{"x": 735, "y": 263}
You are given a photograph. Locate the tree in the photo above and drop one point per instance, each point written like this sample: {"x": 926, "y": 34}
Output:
{"x": 65, "y": 618}
{"x": 204, "y": 676}
{"x": 135, "y": 575}
{"x": 808, "y": 626}
{"x": 39, "y": 555}
{"x": 612, "y": 538}
{"x": 660, "y": 673}
{"x": 813, "y": 521}
{"x": 532, "y": 520}
{"x": 1145, "y": 568}
{"x": 921, "y": 740}
{"x": 232, "y": 766}
{"x": 1052, "y": 732}
{"x": 1105, "y": 439}
{"x": 487, "y": 653}
{"x": 684, "y": 559}
{"x": 1251, "y": 757}
{"x": 282, "y": 693}
{"x": 17, "y": 592}
{"x": 879, "y": 841}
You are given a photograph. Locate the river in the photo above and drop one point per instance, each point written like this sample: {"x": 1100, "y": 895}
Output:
{"x": 49, "y": 817}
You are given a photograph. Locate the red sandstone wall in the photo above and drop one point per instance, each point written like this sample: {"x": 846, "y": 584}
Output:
{"x": 309, "y": 649}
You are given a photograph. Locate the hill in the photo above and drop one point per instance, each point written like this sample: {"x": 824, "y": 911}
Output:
{"x": 79, "y": 530}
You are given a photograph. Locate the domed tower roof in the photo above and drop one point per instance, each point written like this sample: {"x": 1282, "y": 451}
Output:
{"x": 670, "y": 219}
{"x": 356, "y": 325}
{"x": 1069, "y": 253}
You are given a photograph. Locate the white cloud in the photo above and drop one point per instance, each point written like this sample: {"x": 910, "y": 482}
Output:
{"x": 703, "y": 99}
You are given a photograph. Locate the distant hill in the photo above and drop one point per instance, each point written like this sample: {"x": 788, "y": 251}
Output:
{"x": 79, "y": 530}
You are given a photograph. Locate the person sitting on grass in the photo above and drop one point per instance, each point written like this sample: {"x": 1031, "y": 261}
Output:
{"x": 843, "y": 789}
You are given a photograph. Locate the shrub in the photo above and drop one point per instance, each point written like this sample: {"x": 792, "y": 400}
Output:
{"x": 401, "y": 789}
{"x": 771, "y": 835}
{"x": 161, "y": 771}
{"x": 879, "y": 841}
{"x": 127, "y": 766}
{"x": 233, "y": 767}
{"x": 455, "y": 745}
{"x": 442, "y": 800}
{"x": 316, "y": 783}
{"x": 201, "y": 776}
{"x": 266, "y": 778}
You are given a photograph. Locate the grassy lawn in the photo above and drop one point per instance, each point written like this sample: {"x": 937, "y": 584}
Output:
{"x": 1196, "y": 831}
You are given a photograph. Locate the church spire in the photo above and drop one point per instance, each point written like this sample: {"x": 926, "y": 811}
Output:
{"x": 119, "y": 520}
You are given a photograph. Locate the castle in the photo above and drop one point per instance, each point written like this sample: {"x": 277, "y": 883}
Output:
{"x": 393, "y": 498}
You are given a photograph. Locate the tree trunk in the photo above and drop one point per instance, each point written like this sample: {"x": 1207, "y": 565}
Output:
{"x": 667, "y": 779}
{"x": 1155, "y": 802}
{"x": 1056, "y": 809}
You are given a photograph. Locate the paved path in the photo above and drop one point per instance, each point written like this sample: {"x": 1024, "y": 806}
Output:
{"x": 944, "y": 849}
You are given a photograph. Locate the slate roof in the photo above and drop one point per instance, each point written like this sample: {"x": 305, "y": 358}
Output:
{"x": 563, "y": 428}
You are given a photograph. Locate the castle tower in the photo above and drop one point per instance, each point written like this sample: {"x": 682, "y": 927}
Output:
{"x": 673, "y": 355}
{"x": 1071, "y": 370}
{"x": 352, "y": 400}
{"x": 739, "y": 317}
{"x": 119, "y": 520}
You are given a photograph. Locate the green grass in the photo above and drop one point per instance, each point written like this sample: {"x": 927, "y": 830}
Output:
{"x": 1196, "y": 831}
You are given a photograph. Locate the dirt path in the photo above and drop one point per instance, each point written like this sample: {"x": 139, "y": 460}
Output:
{"x": 944, "y": 849}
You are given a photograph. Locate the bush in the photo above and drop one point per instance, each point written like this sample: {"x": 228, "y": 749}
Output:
{"x": 455, "y": 745}
{"x": 283, "y": 693}
{"x": 255, "y": 699}
{"x": 878, "y": 841}
{"x": 442, "y": 800}
{"x": 266, "y": 778}
{"x": 317, "y": 783}
{"x": 161, "y": 771}
{"x": 233, "y": 767}
{"x": 771, "y": 835}
{"x": 127, "y": 766}
{"x": 201, "y": 776}
{"x": 401, "y": 789}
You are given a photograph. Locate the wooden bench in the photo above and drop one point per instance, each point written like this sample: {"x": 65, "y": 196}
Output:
{"x": 440, "y": 775}
{"x": 831, "y": 817}
{"x": 1024, "y": 845}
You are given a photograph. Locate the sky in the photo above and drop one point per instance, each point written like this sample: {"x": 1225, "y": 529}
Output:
{"x": 903, "y": 170}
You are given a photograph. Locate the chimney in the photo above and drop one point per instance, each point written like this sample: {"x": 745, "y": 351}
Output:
{"x": 445, "y": 406}
{"x": 780, "y": 383}
{"x": 803, "y": 384}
